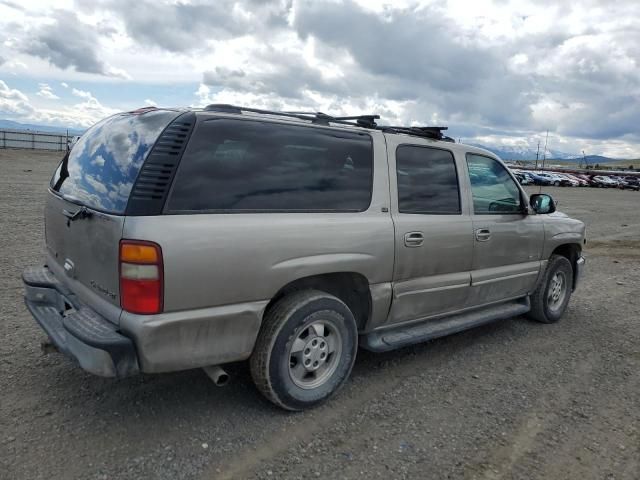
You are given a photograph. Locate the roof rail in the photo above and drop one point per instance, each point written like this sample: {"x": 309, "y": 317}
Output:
{"x": 320, "y": 118}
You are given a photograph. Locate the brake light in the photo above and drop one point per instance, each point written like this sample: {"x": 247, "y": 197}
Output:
{"x": 141, "y": 277}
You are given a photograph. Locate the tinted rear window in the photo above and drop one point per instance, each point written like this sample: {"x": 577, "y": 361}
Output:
{"x": 104, "y": 163}
{"x": 246, "y": 165}
{"x": 427, "y": 181}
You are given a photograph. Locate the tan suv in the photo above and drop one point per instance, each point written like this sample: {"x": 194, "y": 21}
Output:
{"x": 179, "y": 239}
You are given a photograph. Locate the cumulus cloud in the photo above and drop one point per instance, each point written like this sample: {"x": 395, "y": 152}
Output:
{"x": 10, "y": 4}
{"x": 285, "y": 76}
{"x": 13, "y": 101}
{"x": 68, "y": 43}
{"x": 183, "y": 27}
{"x": 15, "y": 104}
{"x": 45, "y": 91}
{"x": 81, "y": 93}
{"x": 412, "y": 57}
{"x": 91, "y": 109}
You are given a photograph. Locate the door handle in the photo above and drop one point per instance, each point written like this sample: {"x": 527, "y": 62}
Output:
{"x": 483, "y": 234}
{"x": 413, "y": 239}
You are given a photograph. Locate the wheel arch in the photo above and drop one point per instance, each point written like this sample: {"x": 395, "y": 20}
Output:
{"x": 572, "y": 252}
{"x": 350, "y": 287}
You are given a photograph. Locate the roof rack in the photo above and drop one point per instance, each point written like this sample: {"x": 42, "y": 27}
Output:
{"x": 320, "y": 118}
{"x": 426, "y": 132}
{"x": 366, "y": 121}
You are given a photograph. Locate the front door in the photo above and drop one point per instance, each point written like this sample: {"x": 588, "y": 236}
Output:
{"x": 507, "y": 241}
{"x": 433, "y": 233}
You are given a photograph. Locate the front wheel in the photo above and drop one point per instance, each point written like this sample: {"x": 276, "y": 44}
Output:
{"x": 551, "y": 297}
{"x": 305, "y": 350}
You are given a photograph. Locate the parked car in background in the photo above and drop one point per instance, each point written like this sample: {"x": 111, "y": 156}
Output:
{"x": 567, "y": 180}
{"x": 555, "y": 179}
{"x": 631, "y": 183}
{"x": 529, "y": 177}
{"x": 602, "y": 181}
{"x": 581, "y": 181}
{"x": 583, "y": 176}
{"x": 618, "y": 180}
{"x": 523, "y": 179}
{"x": 539, "y": 180}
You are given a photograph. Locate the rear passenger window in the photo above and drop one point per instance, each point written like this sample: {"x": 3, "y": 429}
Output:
{"x": 427, "y": 181}
{"x": 246, "y": 165}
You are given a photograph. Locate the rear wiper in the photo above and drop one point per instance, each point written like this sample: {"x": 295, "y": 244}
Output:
{"x": 64, "y": 172}
{"x": 82, "y": 212}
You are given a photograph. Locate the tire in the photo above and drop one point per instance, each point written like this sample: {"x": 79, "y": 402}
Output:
{"x": 556, "y": 184}
{"x": 292, "y": 325}
{"x": 548, "y": 305}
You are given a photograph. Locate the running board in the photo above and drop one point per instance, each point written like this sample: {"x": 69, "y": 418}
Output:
{"x": 402, "y": 336}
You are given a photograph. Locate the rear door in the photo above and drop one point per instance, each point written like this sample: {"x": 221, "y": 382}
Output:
{"x": 88, "y": 195}
{"x": 433, "y": 232}
{"x": 508, "y": 242}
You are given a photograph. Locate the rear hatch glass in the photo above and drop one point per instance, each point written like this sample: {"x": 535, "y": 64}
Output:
{"x": 104, "y": 164}
{"x": 98, "y": 176}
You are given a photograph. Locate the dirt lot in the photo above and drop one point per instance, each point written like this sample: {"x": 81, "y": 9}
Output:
{"x": 511, "y": 400}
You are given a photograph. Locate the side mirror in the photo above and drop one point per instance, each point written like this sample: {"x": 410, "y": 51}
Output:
{"x": 542, "y": 203}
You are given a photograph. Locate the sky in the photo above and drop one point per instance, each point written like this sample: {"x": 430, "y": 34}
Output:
{"x": 499, "y": 72}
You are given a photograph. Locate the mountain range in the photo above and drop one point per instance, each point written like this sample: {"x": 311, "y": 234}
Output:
{"x": 11, "y": 125}
{"x": 504, "y": 152}
{"x": 526, "y": 153}
{"x": 523, "y": 152}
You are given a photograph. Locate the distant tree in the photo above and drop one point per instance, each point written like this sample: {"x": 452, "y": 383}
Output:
{"x": 597, "y": 166}
{"x": 630, "y": 167}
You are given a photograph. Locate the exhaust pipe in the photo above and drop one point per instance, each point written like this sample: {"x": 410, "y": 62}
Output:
{"x": 217, "y": 374}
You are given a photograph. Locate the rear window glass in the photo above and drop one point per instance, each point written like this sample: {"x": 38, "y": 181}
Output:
{"x": 105, "y": 161}
{"x": 427, "y": 181}
{"x": 246, "y": 165}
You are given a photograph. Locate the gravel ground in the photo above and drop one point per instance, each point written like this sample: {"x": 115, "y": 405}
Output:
{"x": 514, "y": 399}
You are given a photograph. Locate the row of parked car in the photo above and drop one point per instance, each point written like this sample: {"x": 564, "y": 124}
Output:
{"x": 560, "y": 179}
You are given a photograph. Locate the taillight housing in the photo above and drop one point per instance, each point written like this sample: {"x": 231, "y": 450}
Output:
{"x": 141, "y": 277}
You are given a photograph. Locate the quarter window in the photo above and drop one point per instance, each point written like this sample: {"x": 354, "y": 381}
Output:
{"x": 246, "y": 165}
{"x": 427, "y": 181}
{"x": 493, "y": 189}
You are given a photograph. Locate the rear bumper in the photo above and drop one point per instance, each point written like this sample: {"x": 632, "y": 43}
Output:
{"x": 77, "y": 330}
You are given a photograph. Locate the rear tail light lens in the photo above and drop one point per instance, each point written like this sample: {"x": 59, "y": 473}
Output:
{"x": 141, "y": 277}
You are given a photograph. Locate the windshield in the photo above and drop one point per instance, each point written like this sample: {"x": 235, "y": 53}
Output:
{"x": 104, "y": 163}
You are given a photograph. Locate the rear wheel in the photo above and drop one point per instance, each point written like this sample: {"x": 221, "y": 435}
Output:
{"x": 556, "y": 183}
{"x": 550, "y": 300}
{"x": 305, "y": 350}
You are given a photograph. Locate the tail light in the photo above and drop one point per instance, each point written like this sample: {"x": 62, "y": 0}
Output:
{"x": 141, "y": 277}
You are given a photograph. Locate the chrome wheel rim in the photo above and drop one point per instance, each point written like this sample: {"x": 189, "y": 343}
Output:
{"x": 314, "y": 354}
{"x": 557, "y": 291}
